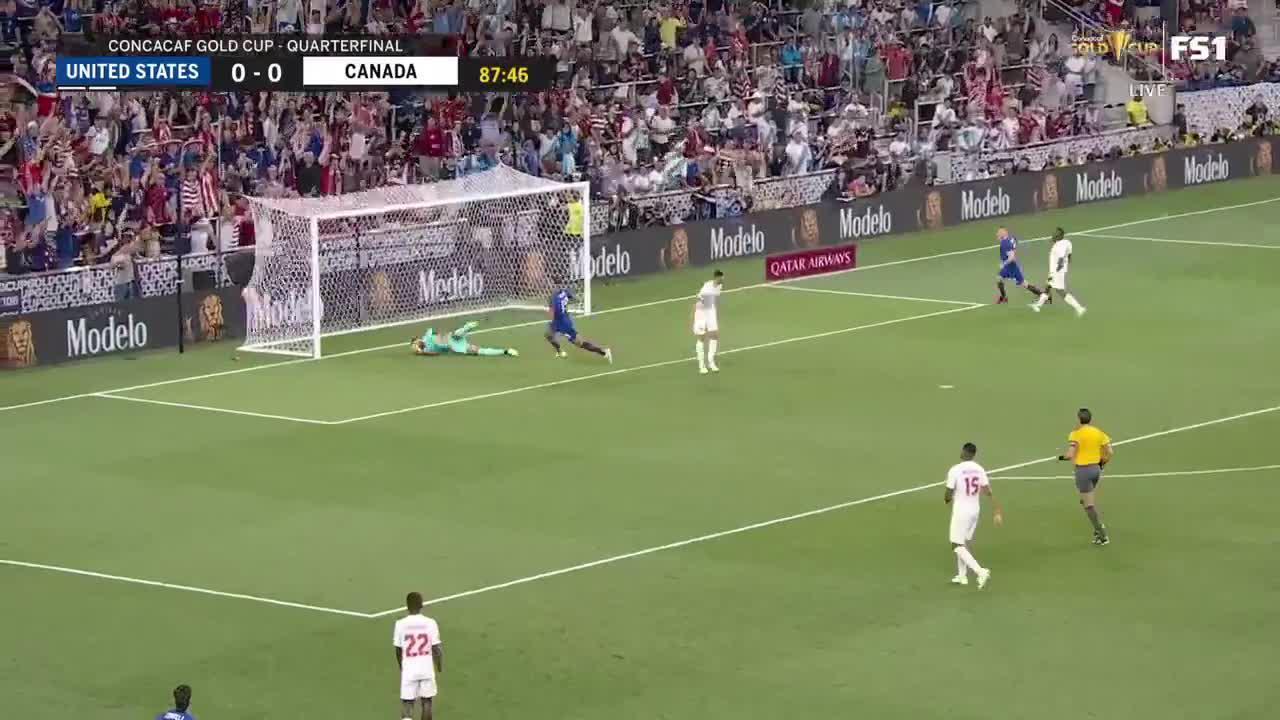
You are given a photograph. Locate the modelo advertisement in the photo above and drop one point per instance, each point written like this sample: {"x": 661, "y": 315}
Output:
{"x": 58, "y": 336}
{"x": 840, "y": 222}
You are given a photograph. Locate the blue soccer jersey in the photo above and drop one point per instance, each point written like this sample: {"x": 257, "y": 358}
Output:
{"x": 175, "y": 715}
{"x": 1009, "y": 268}
{"x": 561, "y": 320}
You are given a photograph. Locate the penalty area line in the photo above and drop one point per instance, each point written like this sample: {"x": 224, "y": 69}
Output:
{"x": 1171, "y": 241}
{"x": 851, "y": 293}
{"x": 183, "y": 588}
{"x": 207, "y": 408}
{"x": 648, "y": 366}
{"x": 1167, "y": 473}
{"x": 802, "y": 515}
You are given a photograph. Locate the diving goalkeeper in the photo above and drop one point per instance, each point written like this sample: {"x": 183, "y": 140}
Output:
{"x": 455, "y": 343}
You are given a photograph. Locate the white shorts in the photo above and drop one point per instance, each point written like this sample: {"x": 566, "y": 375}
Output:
{"x": 963, "y": 525}
{"x": 1058, "y": 281}
{"x": 705, "y": 322}
{"x": 411, "y": 690}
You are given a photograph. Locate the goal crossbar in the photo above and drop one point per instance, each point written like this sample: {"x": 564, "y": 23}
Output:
{"x": 491, "y": 241}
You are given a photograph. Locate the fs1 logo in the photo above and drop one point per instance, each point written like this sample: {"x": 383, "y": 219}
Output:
{"x": 1197, "y": 47}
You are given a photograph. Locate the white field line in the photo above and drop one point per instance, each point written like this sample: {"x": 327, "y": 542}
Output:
{"x": 207, "y": 408}
{"x": 1168, "y": 473}
{"x": 605, "y": 561}
{"x": 378, "y": 348}
{"x": 1181, "y": 242}
{"x": 828, "y": 291}
{"x": 649, "y": 366}
{"x": 183, "y": 588}
{"x": 802, "y": 515}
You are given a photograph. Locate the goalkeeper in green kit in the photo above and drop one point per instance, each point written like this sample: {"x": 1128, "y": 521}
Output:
{"x": 455, "y": 343}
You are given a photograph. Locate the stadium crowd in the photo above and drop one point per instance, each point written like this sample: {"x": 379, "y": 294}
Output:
{"x": 650, "y": 97}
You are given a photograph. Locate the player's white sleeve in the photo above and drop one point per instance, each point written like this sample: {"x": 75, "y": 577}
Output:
{"x": 435, "y": 633}
{"x": 952, "y": 482}
{"x": 397, "y": 637}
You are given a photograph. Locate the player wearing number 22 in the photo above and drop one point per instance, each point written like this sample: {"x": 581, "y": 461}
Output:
{"x": 967, "y": 482}
{"x": 420, "y": 657}
{"x": 561, "y": 325}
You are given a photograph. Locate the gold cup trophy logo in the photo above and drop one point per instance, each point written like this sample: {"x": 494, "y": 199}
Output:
{"x": 1116, "y": 43}
{"x": 18, "y": 344}
{"x": 1262, "y": 158}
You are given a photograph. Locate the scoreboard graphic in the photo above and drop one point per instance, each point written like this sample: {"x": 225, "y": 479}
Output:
{"x": 294, "y": 64}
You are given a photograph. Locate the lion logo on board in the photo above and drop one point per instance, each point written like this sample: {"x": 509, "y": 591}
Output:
{"x": 19, "y": 345}
{"x": 212, "y": 323}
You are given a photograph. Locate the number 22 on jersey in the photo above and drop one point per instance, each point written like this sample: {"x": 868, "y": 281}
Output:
{"x": 417, "y": 645}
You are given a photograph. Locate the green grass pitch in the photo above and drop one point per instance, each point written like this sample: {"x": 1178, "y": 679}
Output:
{"x": 281, "y": 537}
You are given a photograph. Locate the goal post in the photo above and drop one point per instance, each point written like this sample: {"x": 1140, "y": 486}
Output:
{"x": 486, "y": 242}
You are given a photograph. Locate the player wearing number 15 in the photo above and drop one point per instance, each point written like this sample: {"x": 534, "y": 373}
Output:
{"x": 967, "y": 481}
{"x": 420, "y": 657}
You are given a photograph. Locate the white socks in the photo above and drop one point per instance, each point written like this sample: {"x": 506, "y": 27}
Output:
{"x": 712, "y": 345}
{"x": 701, "y": 352}
{"x": 961, "y": 570}
{"x": 1044, "y": 298}
{"x": 966, "y": 558}
{"x": 1075, "y": 304}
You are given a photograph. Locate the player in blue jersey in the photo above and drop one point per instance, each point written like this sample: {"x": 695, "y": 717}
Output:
{"x": 455, "y": 343}
{"x": 1009, "y": 267}
{"x": 181, "y": 702}
{"x": 561, "y": 325}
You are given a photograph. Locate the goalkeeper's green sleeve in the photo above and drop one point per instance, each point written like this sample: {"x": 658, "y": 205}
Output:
{"x": 490, "y": 351}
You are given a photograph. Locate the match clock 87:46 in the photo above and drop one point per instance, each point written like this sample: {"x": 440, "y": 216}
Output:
{"x": 506, "y": 73}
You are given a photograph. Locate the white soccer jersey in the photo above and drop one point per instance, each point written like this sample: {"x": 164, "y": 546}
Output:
{"x": 966, "y": 479}
{"x": 1060, "y": 257}
{"x": 708, "y": 296}
{"x": 415, "y": 635}
{"x": 704, "y": 311}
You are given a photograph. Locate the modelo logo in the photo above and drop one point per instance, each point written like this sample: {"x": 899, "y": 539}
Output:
{"x": 747, "y": 241}
{"x": 85, "y": 341}
{"x": 1214, "y": 168}
{"x": 604, "y": 264}
{"x": 987, "y": 205}
{"x": 436, "y": 290}
{"x": 1106, "y": 186}
{"x": 265, "y": 313}
{"x": 871, "y": 221}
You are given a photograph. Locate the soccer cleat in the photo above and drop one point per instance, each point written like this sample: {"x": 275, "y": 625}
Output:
{"x": 1101, "y": 540}
{"x": 1035, "y": 306}
{"x": 960, "y": 580}
{"x": 1002, "y": 300}
{"x": 983, "y": 576}
{"x": 561, "y": 354}
{"x": 608, "y": 355}
{"x": 714, "y": 368}
{"x": 703, "y": 371}
{"x": 513, "y": 352}
{"x": 1080, "y": 312}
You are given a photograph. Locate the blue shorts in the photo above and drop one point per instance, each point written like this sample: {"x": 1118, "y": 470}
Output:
{"x": 563, "y": 327}
{"x": 1012, "y": 271}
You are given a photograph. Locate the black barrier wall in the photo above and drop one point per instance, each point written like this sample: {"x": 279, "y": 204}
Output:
{"x": 640, "y": 252}
{"x": 58, "y": 336}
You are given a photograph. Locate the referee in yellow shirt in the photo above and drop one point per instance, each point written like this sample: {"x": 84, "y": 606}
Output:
{"x": 1089, "y": 449}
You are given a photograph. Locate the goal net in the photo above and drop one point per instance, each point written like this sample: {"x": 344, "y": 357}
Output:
{"x": 494, "y": 240}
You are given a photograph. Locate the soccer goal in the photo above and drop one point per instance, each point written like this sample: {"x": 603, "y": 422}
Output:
{"x": 489, "y": 241}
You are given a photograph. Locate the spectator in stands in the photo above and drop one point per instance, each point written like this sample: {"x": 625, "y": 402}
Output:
{"x": 1136, "y": 110}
